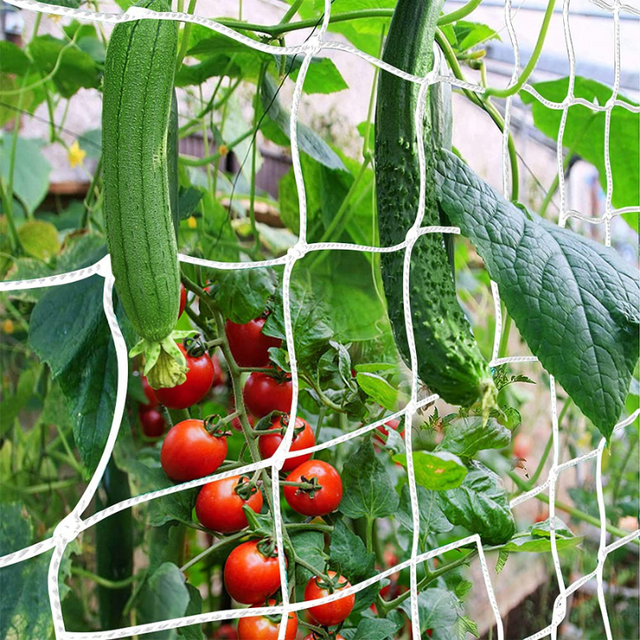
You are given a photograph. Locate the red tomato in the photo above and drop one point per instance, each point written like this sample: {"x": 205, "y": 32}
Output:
{"x": 333, "y": 612}
{"x": 189, "y": 451}
{"x": 522, "y": 445}
{"x": 200, "y": 377}
{"x": 269, "y": 443}
{"x": 384, "y": 430}
{"x": 249, "y": 576}
{"x": 226, "y": 632}
{"x": 261, "y": 628}
{"x": 219, "y": 507}
{"x": 235, "y": 423}
{"x": 218, "y": 373}
{"x": 183, "y": 299}
{"x": 152, "y": 400}
{"x": 249, "y": 346}
{"x": 262, "y": 394}
{"x": 323, "y": 500}
{"x": 152, "y": 421}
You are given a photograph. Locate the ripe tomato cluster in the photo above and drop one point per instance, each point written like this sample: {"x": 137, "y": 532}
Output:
{"x": 195, "y": 448}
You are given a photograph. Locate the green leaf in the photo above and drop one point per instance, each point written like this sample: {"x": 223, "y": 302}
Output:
{"x": 164, "y": 596}
{"x": 39, "y": 239}
{"x": 368, "y": 490}
{"x": 436, "y": 471}
{"x": 537, "y": 538}
{"x": 364, "y": 33}
{"x": 379, "y": 390}
{"x": 309, "y": 319}
{"x": 310, "y": 546}
{"x": 188, "y": 200}
{"x": 574, "y": 301}
{"x": 13, "y": 59}
{"x": 70, "y": 333}
{"x": 25, "y": 611}
{"x": 503, "y": 556}
{"x": 464, "y": 626}
{"x": 432, "y": 519}
{"x": 348, "y": 554}
{"x": 322, "y": 77}
{"x": 481, "y": 505}
{"x": 584, "y": 134}
{"x": 30, "y": 170}
{"x": 76, "y": 70}
{"x": 74, "y": 255}
{"x": 466, "y": 436}
{"x": 308, "y": 141}
{"x": 242, "y": 294}
{"x": 437, "y": 608}
{"x": 375, "y": 629}
{"x": 463, "y": 35}
{"x": 194, "y": 632}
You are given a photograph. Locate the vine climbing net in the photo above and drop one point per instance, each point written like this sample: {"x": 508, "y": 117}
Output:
{"x": 73, "y": 524}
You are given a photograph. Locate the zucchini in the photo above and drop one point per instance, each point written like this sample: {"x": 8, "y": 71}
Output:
{"x": 138, "y": 92}
{"x": 449, "y": 361}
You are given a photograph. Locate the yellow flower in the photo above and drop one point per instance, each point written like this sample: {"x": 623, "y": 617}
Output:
{"x": 224, "y": 150}
{"x": 192, "y": 223}
{"x": 55, "y": 19}
{"x": 7, "y": 326}
{"x": 76, "y": 154}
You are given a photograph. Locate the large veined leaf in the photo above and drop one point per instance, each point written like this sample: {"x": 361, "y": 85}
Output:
{"x": 574, "y": 301}
{"x": 584, "y": 134}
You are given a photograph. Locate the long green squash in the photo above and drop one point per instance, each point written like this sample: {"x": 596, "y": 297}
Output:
{"x": 138, "y": 93}
{"x": 449, "y": 361}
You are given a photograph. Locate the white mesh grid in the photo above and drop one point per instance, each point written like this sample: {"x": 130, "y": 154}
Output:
{"x": 69, "y": 528}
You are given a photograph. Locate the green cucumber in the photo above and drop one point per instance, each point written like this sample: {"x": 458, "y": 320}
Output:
{"x": 449, "y": 361}
{"x": 138, "y": 92}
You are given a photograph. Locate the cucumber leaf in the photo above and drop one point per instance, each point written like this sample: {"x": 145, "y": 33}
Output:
{"x": 584, "y": 133}
{"x": 573, "y": 300}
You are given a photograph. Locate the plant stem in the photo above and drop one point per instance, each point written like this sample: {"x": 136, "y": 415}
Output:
{"x": 200, "y": 162}
{"x": 572, "y": 511}
{"x": 309, "y": 567}
{"x": 487, "y": 106}
{"x": 212, "y": 549}
{"x": 103, "y": 582}
{"x": 291, "y": 11}
{"x": 277, "y": 30}
{"x": 537, "y": 50}
{"x": 309, "y": 526}
{"x": 369, "y": 530}
{"x": 385, "y": 606}
{"x": 186, "y": 34}
{"x": 460, "y": 13}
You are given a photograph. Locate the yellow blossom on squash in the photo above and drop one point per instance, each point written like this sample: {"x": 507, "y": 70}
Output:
{"x": 224, "y": 150}
{"x": 54, "y": 18}
{"x": 76, "y": 155}
{"x": 192, "y": 223}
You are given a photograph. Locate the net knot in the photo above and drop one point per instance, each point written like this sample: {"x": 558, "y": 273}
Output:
{"x": 297, "y": 252}
{"x": 68, "y": 529}
{"x": 412, "y": 235}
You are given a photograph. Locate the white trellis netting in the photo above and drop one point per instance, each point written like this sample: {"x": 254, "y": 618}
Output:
{"x": 73, "y": 525}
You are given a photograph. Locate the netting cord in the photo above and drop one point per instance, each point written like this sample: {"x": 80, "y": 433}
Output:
{"x": 71, "y": 526}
